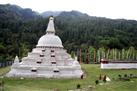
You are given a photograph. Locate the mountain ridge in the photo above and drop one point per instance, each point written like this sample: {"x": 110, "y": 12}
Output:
{"x": 21, "y": 28}
{"x": 17, "y": 11}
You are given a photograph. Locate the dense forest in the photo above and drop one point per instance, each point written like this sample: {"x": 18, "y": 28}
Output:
{"x": 21, "y": 28}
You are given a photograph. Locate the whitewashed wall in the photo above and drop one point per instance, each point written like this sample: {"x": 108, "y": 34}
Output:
{"x": 119, "y": 66}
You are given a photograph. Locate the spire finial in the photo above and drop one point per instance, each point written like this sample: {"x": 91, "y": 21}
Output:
{"x": 50, "y": 28}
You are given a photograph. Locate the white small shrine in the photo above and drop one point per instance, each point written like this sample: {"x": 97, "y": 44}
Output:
{"x": 49, "y": 59}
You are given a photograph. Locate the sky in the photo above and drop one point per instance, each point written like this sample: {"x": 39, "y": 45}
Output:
{"x": 115, "y": 9}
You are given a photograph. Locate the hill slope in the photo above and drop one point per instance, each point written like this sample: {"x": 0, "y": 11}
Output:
{"x": 50, "y": 13}
{"x": 17, "y": 12}
{"x": 81, "y": 29}
{"x": 21, "y": 28}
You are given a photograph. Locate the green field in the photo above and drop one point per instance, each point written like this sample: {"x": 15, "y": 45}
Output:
{"x": 92, "y": 73}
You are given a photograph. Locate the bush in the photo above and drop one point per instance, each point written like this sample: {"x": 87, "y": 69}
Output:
{"x": 97, "y": 82}
{"x": 119, "y": 76}
{"x": 78, "y": 86}
{"x": 125, "y": 75}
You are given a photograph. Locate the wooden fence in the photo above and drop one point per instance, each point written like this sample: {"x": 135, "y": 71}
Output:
{"x": 5, "y": 63}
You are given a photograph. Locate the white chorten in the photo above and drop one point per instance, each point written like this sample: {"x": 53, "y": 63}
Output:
{"x": 48, "y": 59}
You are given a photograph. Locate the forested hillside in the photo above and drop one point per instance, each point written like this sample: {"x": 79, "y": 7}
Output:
{"x": 21, "y": 28}
{"x": 95, "y": 31}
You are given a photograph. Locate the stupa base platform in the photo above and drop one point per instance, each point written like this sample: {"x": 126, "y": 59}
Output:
{"x": 46, "y": 72}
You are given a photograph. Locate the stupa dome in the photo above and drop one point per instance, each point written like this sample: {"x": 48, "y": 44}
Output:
{"x": 50, "y": 39}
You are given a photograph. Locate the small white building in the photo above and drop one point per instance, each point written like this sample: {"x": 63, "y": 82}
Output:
{"x": 48, "y": 59}
{"x": 105, "y": 64}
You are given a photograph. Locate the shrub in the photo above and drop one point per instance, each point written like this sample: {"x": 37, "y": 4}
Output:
{"x": 97, "y": 82}
{"x": 78, "y": 86}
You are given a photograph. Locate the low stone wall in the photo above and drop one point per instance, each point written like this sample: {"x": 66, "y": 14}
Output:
{"x": 105, "y": 64}
{"x": 119, "y": 66}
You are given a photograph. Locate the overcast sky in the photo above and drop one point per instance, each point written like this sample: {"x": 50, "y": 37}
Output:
{"x": 105, "y": 8}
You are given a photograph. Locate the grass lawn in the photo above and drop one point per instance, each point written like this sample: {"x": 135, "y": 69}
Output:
{"x": 92, "y": 70}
